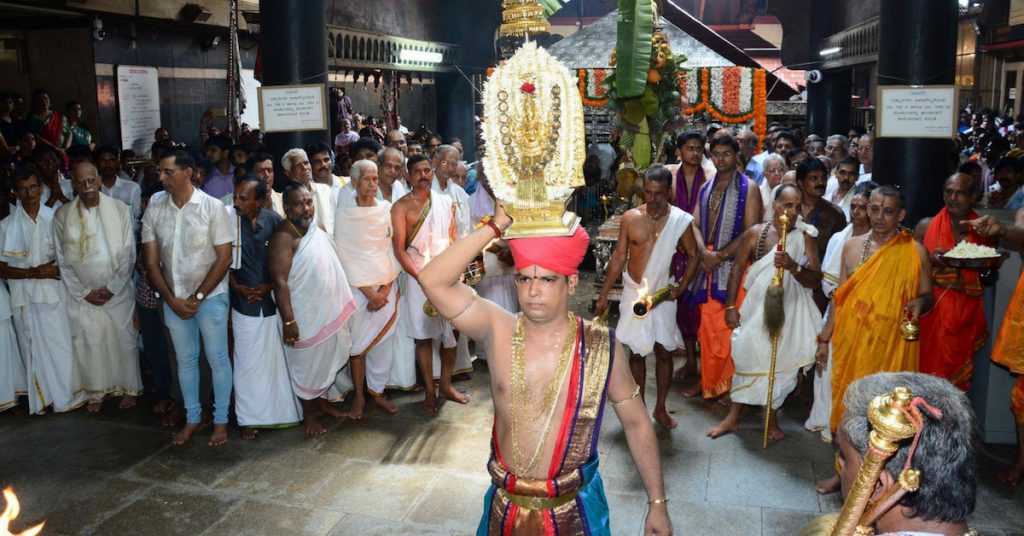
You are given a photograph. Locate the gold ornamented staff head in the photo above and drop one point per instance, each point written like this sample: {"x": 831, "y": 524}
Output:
{"x": 534, "y": 141}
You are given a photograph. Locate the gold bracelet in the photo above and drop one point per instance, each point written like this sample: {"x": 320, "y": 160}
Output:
{"x": 658, "y": 501}
{"x": 636, "y": 393}
{"x": 290, "y": 322}
{"x": 730, "y": 307}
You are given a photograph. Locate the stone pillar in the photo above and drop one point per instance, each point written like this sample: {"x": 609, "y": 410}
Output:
{"x": 455, "y": 111}
{"x": 293, "y": 48}
{"x": 916, "y": 46}
{"x": 828, "y": 103}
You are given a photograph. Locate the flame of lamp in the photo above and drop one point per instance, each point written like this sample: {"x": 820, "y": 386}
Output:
{"x": 643, "y": 305}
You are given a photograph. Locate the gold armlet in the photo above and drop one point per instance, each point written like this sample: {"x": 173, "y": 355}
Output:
{"x": 658, "y": 501}
{"x": 636, "y": 393}
{"x": 472, "y": 300}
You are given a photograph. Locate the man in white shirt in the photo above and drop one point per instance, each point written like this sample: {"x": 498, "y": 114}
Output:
{"x": 29, "y": 264}
{"x": 445, "y": 160}
{"x": 107, "y": 160}
{"x": 345, "y": 138}
{"x": 262, "y": 166}
{"x": 186, "y": 244}
{"x": 95, "y": 241}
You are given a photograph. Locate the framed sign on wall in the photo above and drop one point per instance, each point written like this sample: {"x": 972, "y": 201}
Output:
{"x": 293, "y": 108}
{"x": 916, "y": 112}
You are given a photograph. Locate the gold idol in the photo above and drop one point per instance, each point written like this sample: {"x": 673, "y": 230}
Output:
{"x": 534, "y": 150}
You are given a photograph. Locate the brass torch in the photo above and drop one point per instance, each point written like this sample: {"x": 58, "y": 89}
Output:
{"x": 643, "y": 305}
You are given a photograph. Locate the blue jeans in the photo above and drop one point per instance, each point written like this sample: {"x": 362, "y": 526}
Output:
{"x": 212, "y": 322}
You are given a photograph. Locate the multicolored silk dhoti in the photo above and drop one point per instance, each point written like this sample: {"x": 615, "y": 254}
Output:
{"x": 571, "y": 501}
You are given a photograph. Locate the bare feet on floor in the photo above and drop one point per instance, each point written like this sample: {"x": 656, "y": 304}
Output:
{"x": 313, "y": 425}
{"x": 185, "y": 434}
{"x": 94, "y": 407}
{"x": 430, "y": 402}
{"x": 356, "y": 411}
{"x": 326, "y": 408}
{"x": 163, "y": 406}
{"x": 663, "y": 418}
{"x": 727, "y": 426}
{"x": 173, "y": 418}
{"x": 219, "y": 436}
{"x": 829, "y": 485}
{"x": 385, "y": 404}
{"x": 691, "y": 391}
{"x": 249, "y": 434}
{"x": 685, "y": 372}
{"x": 774, "y": 431}
{"x": 127, "y": 402}
{"x": 453, "y": 394}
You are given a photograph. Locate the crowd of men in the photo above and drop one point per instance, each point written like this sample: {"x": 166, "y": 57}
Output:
{"x": 852, "y": 273}
{"x": 297, "y": 298}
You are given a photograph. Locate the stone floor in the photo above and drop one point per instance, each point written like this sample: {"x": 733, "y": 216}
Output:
{"x": 116, "y": 473}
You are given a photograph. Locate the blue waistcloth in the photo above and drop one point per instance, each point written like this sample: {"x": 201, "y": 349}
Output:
{"x": 591, "y": 501}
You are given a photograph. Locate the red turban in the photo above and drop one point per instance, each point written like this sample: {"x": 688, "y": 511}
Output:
{"x": 560, "y": 254}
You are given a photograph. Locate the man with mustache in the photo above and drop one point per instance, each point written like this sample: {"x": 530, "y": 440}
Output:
{"x": 94, "y": 235}
{"x": 424, "y": 226}
{"x": 314, "y": 301}
{"x": 811, "y": 177}
{"x": 839, "y": 190}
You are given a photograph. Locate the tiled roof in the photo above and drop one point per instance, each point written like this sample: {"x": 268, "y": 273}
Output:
{"x": 591, "y": 47}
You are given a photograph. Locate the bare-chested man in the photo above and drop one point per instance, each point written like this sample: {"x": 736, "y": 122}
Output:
{"x": 530, "y": 392}
{"x": 757, "y": 260}
{"x": 315, "y": 302}
{"x": 648, "y": 238}
{"x": 424, "y": 226}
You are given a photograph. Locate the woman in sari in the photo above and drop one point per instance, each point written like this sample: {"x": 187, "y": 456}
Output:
{"x": 49, "y": 126}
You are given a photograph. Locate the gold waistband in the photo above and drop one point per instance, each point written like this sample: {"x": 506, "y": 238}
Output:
{"x": 539, "y": 503}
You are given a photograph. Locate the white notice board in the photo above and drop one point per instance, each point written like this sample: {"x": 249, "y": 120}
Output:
{"x": 138, "y": 105}
{"x": 917, "y": 112}
{"x": 293, "y": 108}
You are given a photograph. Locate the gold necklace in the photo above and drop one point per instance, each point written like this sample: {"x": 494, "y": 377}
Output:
{"x": 296, "y": 229}
{"x": 520, "y": 402}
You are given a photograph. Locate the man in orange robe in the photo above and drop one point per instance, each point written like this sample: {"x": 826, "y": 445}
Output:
{"x": 956, "y": 327}
{"x": 884, "y": 279}
{"x": 727, "y": 206}
{"x": 1009, "y": 346}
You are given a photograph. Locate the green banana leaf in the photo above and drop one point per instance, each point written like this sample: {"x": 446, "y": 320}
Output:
{"x": 633, "y": 46}
{"x": 551, "y": 6}
{"x": 642, "y": 146}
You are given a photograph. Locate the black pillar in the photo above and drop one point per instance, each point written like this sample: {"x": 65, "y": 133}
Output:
{"x": 828, "y": 103}
{"x": 916, "y": 46}
{"x": 455, "y": 99}
{"x": 293, "y": 48}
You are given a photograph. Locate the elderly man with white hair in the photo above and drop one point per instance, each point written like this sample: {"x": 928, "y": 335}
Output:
{"x": 94, "y": 236}
{"x": 837, "y": 147}
{"x": 297, "y": 168}
{"x": 774, "y": 167}
{"x": 369, "y": 262}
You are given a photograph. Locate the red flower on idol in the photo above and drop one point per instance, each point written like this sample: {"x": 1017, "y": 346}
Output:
{"x": 528, "y": 88}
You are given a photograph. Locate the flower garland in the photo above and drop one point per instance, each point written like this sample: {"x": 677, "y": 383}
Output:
{"x": 728, "y": 94}
{"x": 592, "y": 89}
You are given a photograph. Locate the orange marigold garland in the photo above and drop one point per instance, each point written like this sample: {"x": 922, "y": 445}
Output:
{"x": 757, "y": 113}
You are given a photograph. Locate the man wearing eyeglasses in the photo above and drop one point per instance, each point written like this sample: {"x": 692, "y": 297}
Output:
{"x": 727, "y": 205}
{"x": 186, "y": 244}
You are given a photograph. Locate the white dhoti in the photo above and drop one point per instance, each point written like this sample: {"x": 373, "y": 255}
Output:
{"x": 44, "y": 336}
{"x": 40, "y": 313}
{"x": 401, "y": 346}
{"x": 96, "y": 250}
{"x": 371, "y": 333}
{"x": 432, "y": 234}
{"x": 263, "y": 391}
{"x": 12, "y": 368}
{"x": 751, "y": 347}
{"x": 659, "y": 326}
{"x": 821, "y": 410}
{"x": 322, "y": 302}
{"x": 106, "y": 351}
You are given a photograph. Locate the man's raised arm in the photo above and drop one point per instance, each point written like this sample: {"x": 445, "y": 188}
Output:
{"x": 440, "y": 281}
